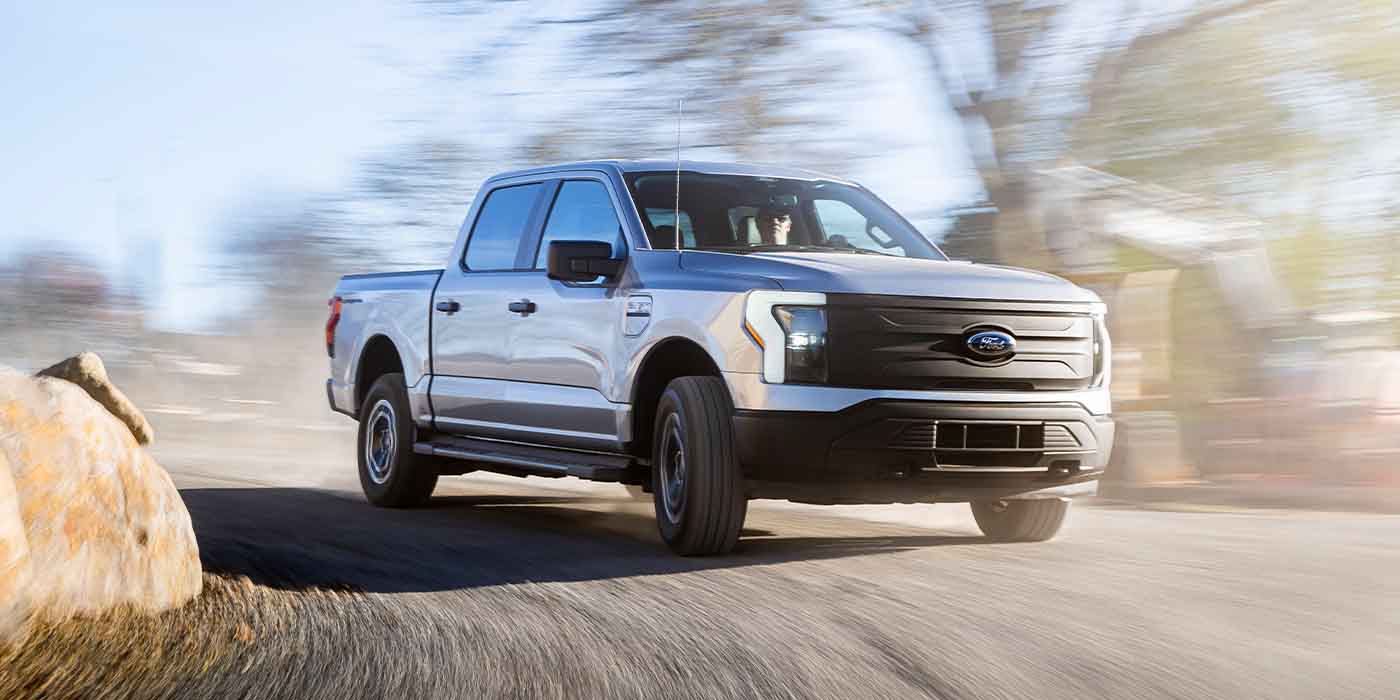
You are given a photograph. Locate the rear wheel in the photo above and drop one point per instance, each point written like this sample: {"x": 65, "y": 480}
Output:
{"x": 697, "y": 488}
{"x": 1031, "y": 520}
{"x": 391, "y": 473}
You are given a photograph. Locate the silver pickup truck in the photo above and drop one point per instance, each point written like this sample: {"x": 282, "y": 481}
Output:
{"x": 712, "y": 333}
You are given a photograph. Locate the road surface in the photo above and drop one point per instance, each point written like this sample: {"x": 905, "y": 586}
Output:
{"x": 511, "y": 588}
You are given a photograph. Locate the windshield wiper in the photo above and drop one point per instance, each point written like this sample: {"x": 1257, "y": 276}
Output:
{"x": 864, "y": 251}
{"x": 816, "y": 249}
{"x": 797, "y": 248}
{"x": 776, "y": 248}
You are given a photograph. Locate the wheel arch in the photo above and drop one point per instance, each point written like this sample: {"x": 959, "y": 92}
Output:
{"x": 673, "y": 357}
{"x": 379, "y": 357}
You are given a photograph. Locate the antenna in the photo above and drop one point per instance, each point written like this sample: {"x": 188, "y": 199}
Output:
{"x": 680, "y": 110}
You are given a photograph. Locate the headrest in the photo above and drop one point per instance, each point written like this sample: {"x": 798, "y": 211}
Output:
{"x": 663, "y": 238}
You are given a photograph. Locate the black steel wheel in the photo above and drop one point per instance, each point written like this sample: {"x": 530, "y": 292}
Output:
{"x": 391, "y": 474}
{"x": 697, "y": 486}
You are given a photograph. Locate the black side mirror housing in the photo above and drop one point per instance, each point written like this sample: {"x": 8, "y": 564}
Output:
{"x": 581, "y": 261}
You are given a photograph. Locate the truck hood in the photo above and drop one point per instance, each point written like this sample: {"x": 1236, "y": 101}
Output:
{"x": 878, "y": 274}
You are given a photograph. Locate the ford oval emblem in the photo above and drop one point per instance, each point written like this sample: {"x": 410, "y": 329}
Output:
{"x": 991, "y": 345}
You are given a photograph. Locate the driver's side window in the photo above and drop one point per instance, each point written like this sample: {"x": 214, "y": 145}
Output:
{"x": 845, "y": 227}
{"x": 582, "y": 211}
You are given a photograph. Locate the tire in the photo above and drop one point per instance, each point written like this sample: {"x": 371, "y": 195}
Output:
{"x": 1031, "y": 520}
{"x": 700, "y": 506}
{"x": 392, "y": 475}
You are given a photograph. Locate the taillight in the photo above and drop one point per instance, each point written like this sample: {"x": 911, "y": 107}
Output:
{"x": 331, "y": 323}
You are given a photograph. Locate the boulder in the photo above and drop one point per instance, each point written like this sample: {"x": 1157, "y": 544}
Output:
{"x": 87, "y": 371}
{"x": 15, "y": 572}
{"x": 88, "y": 519}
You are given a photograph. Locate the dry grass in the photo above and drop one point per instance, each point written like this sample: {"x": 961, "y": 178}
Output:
{"x": 126, "y": 653}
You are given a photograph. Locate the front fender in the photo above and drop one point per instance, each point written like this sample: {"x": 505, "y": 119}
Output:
{"x": 714, "y": 321}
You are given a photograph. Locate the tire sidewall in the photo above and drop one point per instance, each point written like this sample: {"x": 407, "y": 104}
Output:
{"x": 388, "y": 387}
{"x": 712, "y": 515}
{"x": 670, "y": 404}
{"x": 1031, "y": 520}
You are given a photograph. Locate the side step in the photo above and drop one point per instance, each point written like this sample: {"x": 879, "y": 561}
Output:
{"x": 540, "y": 461}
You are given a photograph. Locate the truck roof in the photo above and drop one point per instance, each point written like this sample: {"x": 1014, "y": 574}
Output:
{"x": 693, "y": 166}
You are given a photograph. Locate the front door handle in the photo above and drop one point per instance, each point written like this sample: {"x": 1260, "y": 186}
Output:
{"x": 449, "y": 307}
{"x": 524, "y": 306}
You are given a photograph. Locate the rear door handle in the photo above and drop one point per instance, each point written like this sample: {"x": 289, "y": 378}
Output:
{"x": 449, "y": 307}
{"x": 524, "y": 306}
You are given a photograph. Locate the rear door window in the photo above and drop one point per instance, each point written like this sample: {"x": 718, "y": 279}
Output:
{"x": 495, "y": 237}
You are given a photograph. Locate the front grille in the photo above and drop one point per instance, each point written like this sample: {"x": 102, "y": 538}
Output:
{"x": 918, "y": 436}
{"x": 918, "y": 343}
{"x": 1058, "y": 437}
{"x": 983, "y": 385}
{"x": 961, "y": 435}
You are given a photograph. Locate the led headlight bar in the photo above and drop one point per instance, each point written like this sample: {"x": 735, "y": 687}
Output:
{"x": 802, "y": 343}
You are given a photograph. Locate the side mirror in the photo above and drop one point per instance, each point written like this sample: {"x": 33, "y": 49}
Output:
{"x": 581, "y": 261}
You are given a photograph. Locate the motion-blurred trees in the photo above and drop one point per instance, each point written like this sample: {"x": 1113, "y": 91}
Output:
{"x": 57, "y": 301}
{"x": 1285, "y": 112}
{"x": 1020, "y": 76}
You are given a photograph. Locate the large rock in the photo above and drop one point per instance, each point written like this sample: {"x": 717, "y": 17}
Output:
{"x": 91, "y": 521}
{"x": 87, "y": 371}
{"x": 15, "y": 571}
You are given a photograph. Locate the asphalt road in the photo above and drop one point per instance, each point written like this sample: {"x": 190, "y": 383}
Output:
{"x": 504, "y": 589}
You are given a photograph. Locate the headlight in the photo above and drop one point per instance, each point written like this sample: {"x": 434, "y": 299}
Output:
{"x": 790, "y": 327}
{"x": 805, "y": 342}
{"x": 1103, "y": 354}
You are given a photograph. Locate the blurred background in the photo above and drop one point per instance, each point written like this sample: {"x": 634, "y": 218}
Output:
{"x": 183, "y": 186}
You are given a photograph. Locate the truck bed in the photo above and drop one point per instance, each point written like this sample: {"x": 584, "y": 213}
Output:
{"x": 393, "y": 306}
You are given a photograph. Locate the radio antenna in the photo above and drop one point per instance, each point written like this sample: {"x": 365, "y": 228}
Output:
{"x": 680, "y": 110}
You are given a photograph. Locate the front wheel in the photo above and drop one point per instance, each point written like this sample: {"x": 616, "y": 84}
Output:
{"x": 391, "y": 473}
{"x": 697, "y": 487}
{"x": 1031, "y": 520}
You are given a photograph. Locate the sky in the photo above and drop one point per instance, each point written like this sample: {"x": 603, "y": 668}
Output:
{"x": 131, "y": 135}
{"x": 150, "y": 122}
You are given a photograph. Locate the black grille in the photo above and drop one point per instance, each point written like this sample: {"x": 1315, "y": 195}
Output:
{"x": 956, "y": 435}
{"x": 918, "y": 436}
{"x": 917, "y": 343}
{"x": 989, "y": 436}
{"x": 1058, "y": 437}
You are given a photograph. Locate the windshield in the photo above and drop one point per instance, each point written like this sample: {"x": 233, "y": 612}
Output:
{"x": 744, "y": 214}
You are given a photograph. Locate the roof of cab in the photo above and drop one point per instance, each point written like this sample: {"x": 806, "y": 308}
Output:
{"x": 693, "y": 166}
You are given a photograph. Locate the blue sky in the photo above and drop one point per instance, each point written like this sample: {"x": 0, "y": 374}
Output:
{"x": 140, "y": 129}
{"x": 151, "y": 121}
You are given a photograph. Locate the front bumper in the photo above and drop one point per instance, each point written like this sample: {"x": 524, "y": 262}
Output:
{"x": 899, "y": 450}
{"x": 750, "y": 392}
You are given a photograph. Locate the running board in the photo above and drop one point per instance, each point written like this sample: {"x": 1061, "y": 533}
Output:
{"x": 541, "y": 461}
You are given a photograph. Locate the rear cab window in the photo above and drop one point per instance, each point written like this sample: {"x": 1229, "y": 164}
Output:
{"x": 663, "y": 229}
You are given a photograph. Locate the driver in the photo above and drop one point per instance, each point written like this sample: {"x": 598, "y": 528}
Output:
{"x": 774, "y": 225}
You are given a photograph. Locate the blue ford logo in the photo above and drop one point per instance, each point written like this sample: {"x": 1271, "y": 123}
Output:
{"x": 991, "y": 345}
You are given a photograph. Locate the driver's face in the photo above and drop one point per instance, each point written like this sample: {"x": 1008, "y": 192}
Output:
{"x": 774, "y": 229}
